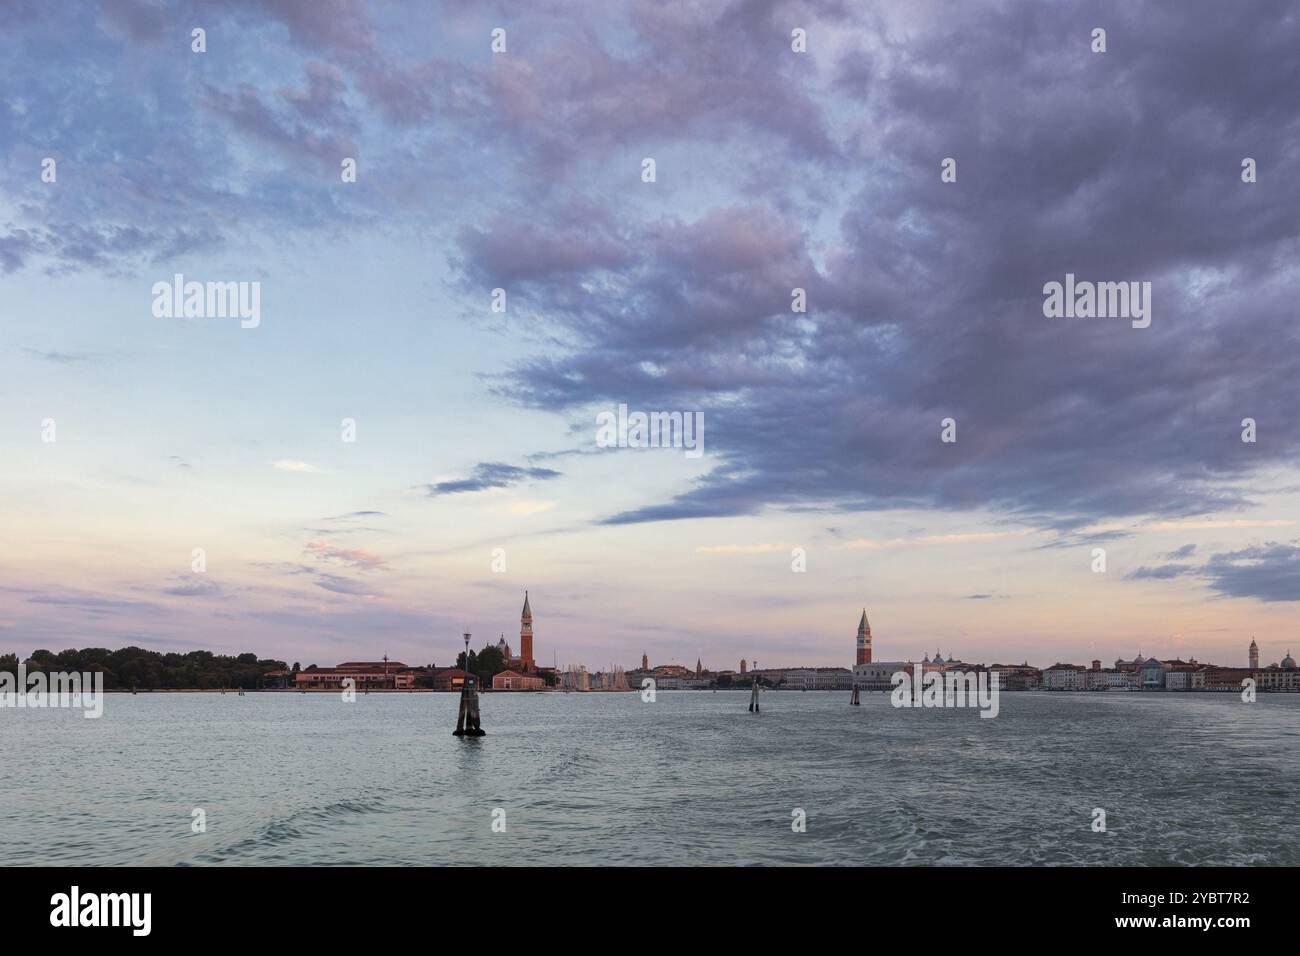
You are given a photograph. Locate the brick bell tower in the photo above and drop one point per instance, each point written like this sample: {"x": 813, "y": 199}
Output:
{"x": 864, "y": 640}
{"x": 526, "y": 638}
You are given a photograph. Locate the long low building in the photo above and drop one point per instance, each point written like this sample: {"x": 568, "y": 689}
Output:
{"x": 392, "y": 675}
{"x": 513, "y": 680}
{"x": 818, "y": 678}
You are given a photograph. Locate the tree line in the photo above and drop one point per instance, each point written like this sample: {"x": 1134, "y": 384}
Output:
{"x": 136, "y": 667}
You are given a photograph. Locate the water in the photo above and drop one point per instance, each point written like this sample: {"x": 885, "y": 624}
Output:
{"x": 287, "y": 778}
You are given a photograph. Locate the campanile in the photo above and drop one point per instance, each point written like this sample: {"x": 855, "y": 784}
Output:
{"x": 864, "y": 640}
{"x": 526, "y": 638}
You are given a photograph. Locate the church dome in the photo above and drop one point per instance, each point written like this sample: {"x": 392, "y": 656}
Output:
{"x": 1288, "y": 662}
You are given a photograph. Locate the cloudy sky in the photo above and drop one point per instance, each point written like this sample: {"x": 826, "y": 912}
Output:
{"x": 774, "y": 170}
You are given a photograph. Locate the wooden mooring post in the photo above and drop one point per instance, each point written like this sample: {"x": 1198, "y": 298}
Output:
{"x": 854, "y": 699}
{"x": 467, "y": 721}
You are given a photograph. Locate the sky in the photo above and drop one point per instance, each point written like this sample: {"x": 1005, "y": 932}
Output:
{"x": 475, "y": 471}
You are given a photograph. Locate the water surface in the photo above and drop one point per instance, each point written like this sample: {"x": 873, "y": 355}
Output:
{"x": 693, "y": 778}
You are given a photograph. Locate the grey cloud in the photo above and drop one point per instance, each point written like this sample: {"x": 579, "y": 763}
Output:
{"x": 194, "y": 587}
{"x": 1160, "y": 572}
{"x": 490, "y": 474}
{"x": 927, "y": 304}
{"x": 342, "y": 585}
{"x": 60, "y": 358}
{"x": 1268, "y": 572}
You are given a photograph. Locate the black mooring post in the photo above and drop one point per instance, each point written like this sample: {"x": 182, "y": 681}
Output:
{"x": 753, "y": 698}
{"x": 854, "y": 699}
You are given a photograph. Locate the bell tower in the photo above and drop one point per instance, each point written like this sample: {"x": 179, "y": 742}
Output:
{"x": 864, "y": 640}
{"x": 526, "y": 638}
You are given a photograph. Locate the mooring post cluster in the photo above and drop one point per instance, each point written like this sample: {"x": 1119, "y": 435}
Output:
{"x": 467, "y": 721}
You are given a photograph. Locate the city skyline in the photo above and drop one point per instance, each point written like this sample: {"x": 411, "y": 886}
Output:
{"x": 472, "y": 468}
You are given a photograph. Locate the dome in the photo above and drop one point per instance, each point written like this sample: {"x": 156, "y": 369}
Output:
{"x": 1288, "y": 662}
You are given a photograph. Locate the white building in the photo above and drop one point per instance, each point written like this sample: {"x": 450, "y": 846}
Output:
{"x": 1154, "y": 673}
{"x": 1185, "y": 680}
{"x": 878, "y": 675}
{"x": 1065, "y": 677}
{"x": 820, "y": 678}
{"x": 1111, "y": 679}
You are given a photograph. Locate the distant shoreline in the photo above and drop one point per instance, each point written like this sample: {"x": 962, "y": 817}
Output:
{"x": 633, "y": 690}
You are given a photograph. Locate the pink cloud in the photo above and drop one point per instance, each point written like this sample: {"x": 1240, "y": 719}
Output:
{"x": 357, "y": 557}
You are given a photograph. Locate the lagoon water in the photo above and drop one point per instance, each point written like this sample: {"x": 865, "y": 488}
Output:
{"x": 693, "y": 778}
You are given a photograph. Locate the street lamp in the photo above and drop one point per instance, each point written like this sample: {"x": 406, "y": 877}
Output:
{"x": 464, "y": 683}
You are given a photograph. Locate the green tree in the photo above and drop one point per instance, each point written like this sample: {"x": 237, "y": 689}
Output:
{"x": 489, "y": 663}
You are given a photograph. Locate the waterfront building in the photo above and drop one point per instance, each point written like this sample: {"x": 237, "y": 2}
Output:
{"x": 681, "y": 683}
{"x": 1109, "y": 678}
{"x": 818, "y": 678}
{"x": 671, "y": 670}
{"x": 878, "y": 675}
{"x": 447, "y": 678}
{"x": 1279, "y": 678}
{"x": 1226, "y": 678}
{"x": 1185, "y": 679}
{"x": 1153, "y": 673}
{"x": 1017, "y": 676}
{"x": 365, "y": 675}
{"x": 513, "y": 680}
{"x": 1065, "y": 677}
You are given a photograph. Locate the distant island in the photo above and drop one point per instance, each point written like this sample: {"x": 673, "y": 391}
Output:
{"x": 496, "y": 667}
